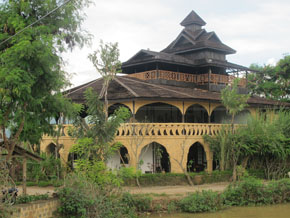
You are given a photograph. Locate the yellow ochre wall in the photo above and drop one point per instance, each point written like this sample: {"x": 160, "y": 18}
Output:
{"x": 177, "y": 146}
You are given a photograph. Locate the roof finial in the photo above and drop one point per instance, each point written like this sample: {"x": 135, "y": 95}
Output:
{"x": 191, "y": 19}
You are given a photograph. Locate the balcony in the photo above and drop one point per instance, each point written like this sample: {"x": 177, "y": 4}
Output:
{"x": 160, "y": 130}
{"x": 199, "y": 79}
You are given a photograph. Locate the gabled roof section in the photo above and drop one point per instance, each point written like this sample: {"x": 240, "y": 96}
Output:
{"x": 197, "y": 40}
{"x": 193, "y": 18}
{"x": 145, "y": 56}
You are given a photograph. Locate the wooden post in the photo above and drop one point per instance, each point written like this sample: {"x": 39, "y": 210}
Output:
{"x": 24, "y": 165}
{"x": 183, "y": 112}
{"x": 209, "y": 77}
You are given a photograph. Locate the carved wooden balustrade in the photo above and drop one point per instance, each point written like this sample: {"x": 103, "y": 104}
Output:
{"x": 162, "y": 130}
{"x": 200, "y": 79}
{"x": 168, "y": 129}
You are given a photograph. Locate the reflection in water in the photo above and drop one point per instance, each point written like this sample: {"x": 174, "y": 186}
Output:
{"x": 274, "y": 211}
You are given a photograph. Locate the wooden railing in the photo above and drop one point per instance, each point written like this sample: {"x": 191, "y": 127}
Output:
{"x": 162, "y": 129}
{"x": 200, "y": 79}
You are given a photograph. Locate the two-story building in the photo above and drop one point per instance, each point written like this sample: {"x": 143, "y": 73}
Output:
{"x": 174, "y": 97}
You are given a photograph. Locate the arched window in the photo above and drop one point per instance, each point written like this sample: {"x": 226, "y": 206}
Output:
{"x": 196, "y": 114}
{"x": 220, "y": 115}
{"x": 159, "y": 113}
{"x": 115, "y": 107}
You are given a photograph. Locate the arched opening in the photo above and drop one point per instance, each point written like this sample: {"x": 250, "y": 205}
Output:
{"x": 196, "y": 114}
{"x": 119, "y": 159}
{"x": 154, "y": 159}
{"x": 159, "y": 113}
{"x": 220, "y": 115}
{"x": 72, "y": 157}
{"x": 242, "y": 117}
{"x": 51, "y": 149}
{"x": 196, "y": 158}
{"x": 115, "y": 107}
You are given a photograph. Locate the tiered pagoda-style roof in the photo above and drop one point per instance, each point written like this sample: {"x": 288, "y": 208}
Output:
{"x": 192, "y": 67}
{"x": 194, "y": 47}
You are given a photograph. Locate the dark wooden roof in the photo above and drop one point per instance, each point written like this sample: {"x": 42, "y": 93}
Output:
{"x": 146, "y": 56}
{"x": 189, "y": 40}
{"x": 127, "y": 88}
{"x": 190, "y": 48}
{"x": 193, "y": 18}
{"x": 19, "y": 151}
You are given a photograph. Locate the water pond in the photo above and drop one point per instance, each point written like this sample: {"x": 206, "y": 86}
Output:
{"x": 273, "y": 211}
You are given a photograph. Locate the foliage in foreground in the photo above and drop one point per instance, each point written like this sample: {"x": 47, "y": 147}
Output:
{"x": 265, "y": 140}
{"x": 249, "y": 191}
{"x": 82, "y": 197}
{"x": 201, "y": 202}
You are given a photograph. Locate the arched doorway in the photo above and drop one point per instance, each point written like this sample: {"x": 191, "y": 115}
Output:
{"x": 51, "y": 149}
{"x": 119, "y": 159}
{"x": 220, "y": 115}
{"x": 159, "y": 113}
{"x": 154, "y": 158}
{"x": 196, "y": 158}
{"x": 72, "y": 157}
{"x": 196, "y": 114}
{"x": 115, "y": 107}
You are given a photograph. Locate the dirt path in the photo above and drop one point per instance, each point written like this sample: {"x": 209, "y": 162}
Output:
{"x": 177, "y": 190}
{"x": 159, "y": 190}
{"x": 34, "y": 190}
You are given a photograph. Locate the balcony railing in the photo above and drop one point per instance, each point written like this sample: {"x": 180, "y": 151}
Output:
{"x": 162, "y": 129}
{"x": 199, "y": 79}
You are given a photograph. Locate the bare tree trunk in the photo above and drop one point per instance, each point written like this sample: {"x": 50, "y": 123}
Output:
{"x": 234, "y": 171}
{"x": 245, "y": 162}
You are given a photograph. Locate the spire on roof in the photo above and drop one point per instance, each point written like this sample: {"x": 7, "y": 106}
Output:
{"x": 193, "y": 18}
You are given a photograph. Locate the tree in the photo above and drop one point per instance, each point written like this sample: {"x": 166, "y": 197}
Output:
{"x": 272, "y": 82}
{"x": 31, "y": 75}
{"x": 181, "y": 160}
{"x": 95, "y": 134}
{"x": 234, "y": 103}
{"x": 138, "y": 133}
{"x": 106, "y": 61}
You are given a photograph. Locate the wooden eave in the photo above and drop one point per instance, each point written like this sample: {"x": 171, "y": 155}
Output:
{"x": 19, "y": 151}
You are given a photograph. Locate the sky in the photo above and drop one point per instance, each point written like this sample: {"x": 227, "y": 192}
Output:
{"x": 257, "y": 29}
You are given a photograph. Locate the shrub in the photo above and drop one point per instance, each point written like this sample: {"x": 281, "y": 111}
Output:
{"x": 246, "y": 192}
{"x": 141, "y": 203}
{"x": 201, "y": 202}
{"x": 279, "y": 191}
{"x": 81, "y": 197}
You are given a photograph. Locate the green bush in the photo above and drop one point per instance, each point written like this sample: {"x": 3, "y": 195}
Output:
{"x": 81, "y": 197}
{"x": 201, "y": 202}
{"x": 141, "y": 203}
{"x": 253, "y": 192}
{"x": 246, "y": 192}
{"x": 279, "y": 191}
